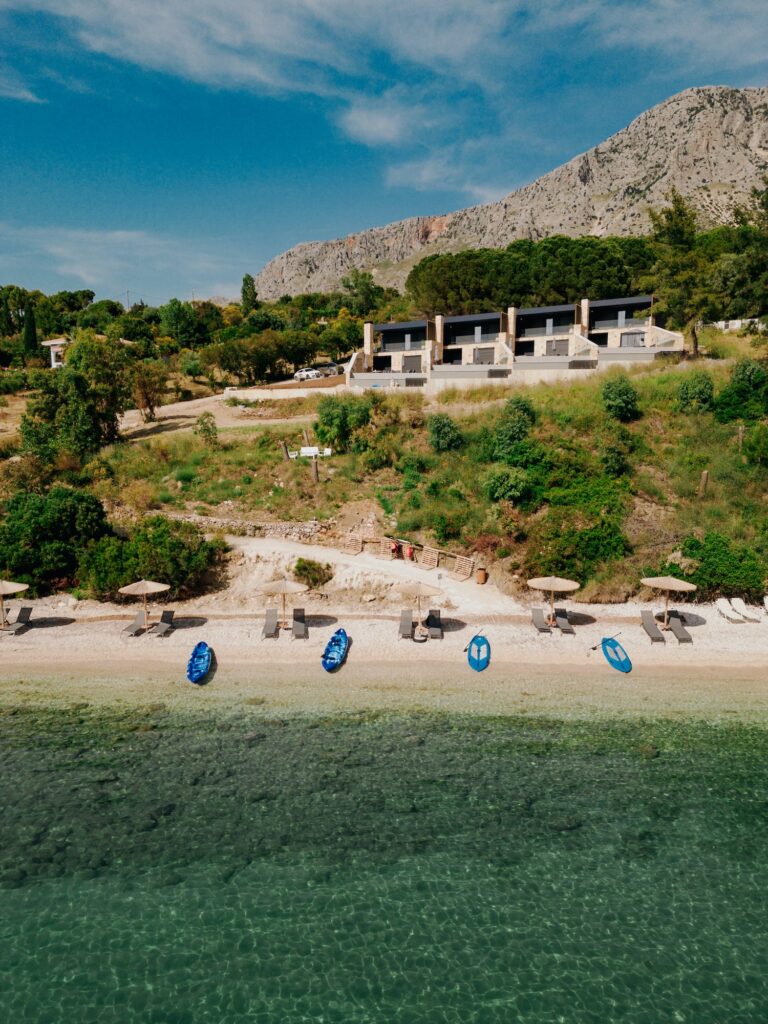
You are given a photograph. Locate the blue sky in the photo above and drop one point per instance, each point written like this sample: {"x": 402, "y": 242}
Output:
{"x": 151, "y": 148}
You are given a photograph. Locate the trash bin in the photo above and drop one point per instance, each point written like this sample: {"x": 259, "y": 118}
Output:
{"x": 481, "y": 575}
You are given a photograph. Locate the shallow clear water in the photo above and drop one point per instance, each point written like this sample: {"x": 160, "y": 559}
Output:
{"x": 380, "y": 868}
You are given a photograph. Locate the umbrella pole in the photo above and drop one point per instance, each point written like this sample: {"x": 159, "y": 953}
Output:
{"x": 666, "y": 611}
{"x": 146, "y": 613}
{"x": 2, "y": 612}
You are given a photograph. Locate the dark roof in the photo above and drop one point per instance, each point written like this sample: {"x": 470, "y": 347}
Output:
{"x": 467, "y": 318}
{"x": 538, "y": 310}
{"x": 626, "y": 300}
{"x": 404, "y": 326}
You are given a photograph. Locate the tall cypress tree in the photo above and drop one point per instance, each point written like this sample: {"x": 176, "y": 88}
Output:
{"x": 29, "y": 334}
{"x": 248, "y": 296}
{"x": 6, "y": 323}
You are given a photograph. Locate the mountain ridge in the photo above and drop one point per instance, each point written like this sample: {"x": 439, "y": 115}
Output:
{"x": 708, "y": 142}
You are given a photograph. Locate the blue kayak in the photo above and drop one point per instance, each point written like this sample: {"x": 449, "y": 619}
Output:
{"x": 615, "y": 655}
{"x": 335, "y": 651}
{"x": 479, "y": 653}
{"x": 199, "y": 664}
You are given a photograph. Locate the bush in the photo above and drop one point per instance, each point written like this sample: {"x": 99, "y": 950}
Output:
{"x": 42, "y": 535}
{"x": 205, "y": 428}
{"x": 506, "y": 484}
{"x": 444, "y": 435}
{"x": 620, "y": 398}
{"x": 511, "y": 432}
{"x": 338, "y": 419}
{"x": 12, "y": 381}
{"x": 563, "y": 548}
{"x": 756, "y": 445}
{"x": 159, "y": 549}
{"x": 313, "y": 574}
{"x": 696, "y": 392}
{"x": 445, "y": 527}
{"x": 725, "y": 568}
{"x": 746, "y": 395}
{"x": 520, "y": 405}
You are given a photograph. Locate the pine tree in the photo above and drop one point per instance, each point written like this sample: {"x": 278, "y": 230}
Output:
{"x": 29, "y": 333}
{"x": 248, "y": 296}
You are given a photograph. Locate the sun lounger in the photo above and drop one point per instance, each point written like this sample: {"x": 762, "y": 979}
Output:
{"x": 164, "y": 626}
{"x": 136, "y": 626}
{"x": 406, "y": 624}
{"x": 22, "y": 620}
{"x": 679, "y": 630}
{"x": 434, "y": 624}
{"x": 651, "y": 628}
{"x": 271, "y": 628}
{"x": 750, "y": 614}
{"x": 729, "y": 613}
{"x": 299, "y": 628}
{"x": 561, "y": 618}
{"x": 539, "y": 620}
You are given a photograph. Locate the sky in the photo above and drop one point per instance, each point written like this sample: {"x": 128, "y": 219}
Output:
{"x": 159, "y": 148}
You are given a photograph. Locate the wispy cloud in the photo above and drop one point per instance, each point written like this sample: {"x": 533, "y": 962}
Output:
{"x": 422, "y": 74}
{"x": 13, "y": 88}
{"x": 99, "y": 259}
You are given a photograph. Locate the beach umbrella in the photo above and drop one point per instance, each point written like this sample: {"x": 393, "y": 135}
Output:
{"x": 417, "y": 590}
{"x": 7, "y": 587}
{"x": 553, "y": 585}
{"x": 143, "y": 588}
{"x": 281, "y": 588}
{"x": 669, "y": 584}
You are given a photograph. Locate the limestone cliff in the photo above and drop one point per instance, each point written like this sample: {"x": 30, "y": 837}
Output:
{"x": 711, "y": 144}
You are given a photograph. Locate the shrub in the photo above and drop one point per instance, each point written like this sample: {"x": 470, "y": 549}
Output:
{"x": 12, "y": 381}
{"x": 445, "y": 527}
{"x": 756, "y": 445}
{"x": 338, "y": 419}
{"x": 205, "y": 428}
{"x": 725, "y": 567}
{"x": 42, "y": 535}
{"x": 161, "y": 549}
{"x": 313, "y": 574}
{"x": 560, "y": 547}
{"x": 746, "y": 395}
{"x": 613, "y": 458}
{"x": 520, "y": 405}
{"x": 695, "y": 392}
{"x": 620, "y": 398}
{"x": 512, "y": 431}
{"x": 444, "y": 435}
{"x": 506, "y": 484}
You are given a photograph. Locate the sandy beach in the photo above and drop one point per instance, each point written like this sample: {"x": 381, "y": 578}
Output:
{"x": 77, "y": 652}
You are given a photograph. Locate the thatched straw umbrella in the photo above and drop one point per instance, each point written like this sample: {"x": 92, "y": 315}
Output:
{"x": 417, "y": 590}
{"x": 7, "y": 587}
{"x": 553, "y": 585}
{"x": 143, "y": 588}
{"x": 281, "y": 588}
{"x": 668, "y": 584}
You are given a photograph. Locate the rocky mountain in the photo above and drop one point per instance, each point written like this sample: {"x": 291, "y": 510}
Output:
{"x": 711, "y": 144}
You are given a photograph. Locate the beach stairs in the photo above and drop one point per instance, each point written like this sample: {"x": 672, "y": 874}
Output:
{"x": 430, "y": 558}
{"x": 463, "y": 568}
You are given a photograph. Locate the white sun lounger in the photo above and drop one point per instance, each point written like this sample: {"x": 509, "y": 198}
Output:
{"x": 727, "y": 611}
{"x": 750, "y": 614}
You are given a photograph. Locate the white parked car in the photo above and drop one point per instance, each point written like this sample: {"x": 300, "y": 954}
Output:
{"x": 307, "y": 373}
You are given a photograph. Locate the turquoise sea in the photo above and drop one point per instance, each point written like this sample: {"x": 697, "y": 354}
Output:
{"x": 179, "y": 869}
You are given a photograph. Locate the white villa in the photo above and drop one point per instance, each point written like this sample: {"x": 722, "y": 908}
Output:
{"x": 519, "y": 345}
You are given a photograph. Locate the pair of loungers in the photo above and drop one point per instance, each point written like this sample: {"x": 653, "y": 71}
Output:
{"x": 22, "y": 621}
{"x": 676, "y": 627}
{"x": 433, "y": 623}
{"x": 271, "y": 628}
{"x": 544, "y": 625}
{"x": 161, "y": 628}
{"x": 736, "y": 610}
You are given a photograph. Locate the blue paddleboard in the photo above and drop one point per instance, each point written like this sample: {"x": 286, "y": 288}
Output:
{"x": 615, "y": 655}
{"x": 479, "y": 653}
